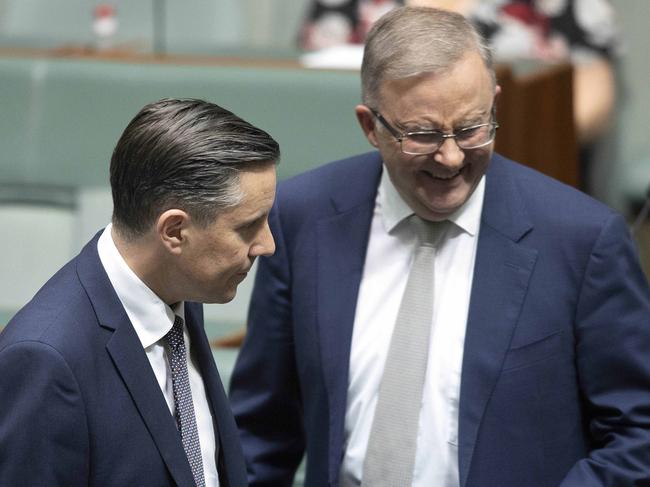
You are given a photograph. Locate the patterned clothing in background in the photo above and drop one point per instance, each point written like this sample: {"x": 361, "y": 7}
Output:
{"x": 549, "y": 30}
{"x": 335, "y": 22}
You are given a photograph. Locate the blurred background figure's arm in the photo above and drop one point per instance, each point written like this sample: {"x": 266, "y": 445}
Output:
{"x": 594, "y": 96}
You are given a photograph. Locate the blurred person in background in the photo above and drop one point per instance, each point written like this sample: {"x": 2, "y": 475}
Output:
{"x": 583, "y": 32}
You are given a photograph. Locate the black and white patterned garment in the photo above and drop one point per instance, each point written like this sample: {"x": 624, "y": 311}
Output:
{"x": 335, "y": 22}
{"x": 550, "y": 30}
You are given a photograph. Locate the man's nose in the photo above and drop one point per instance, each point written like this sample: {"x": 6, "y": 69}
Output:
{"x": 265, "y": 244}
{"x": 449, "y": 154}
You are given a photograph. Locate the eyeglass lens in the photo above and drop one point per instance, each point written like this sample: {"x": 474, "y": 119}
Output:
{"x": 468, "y": 138}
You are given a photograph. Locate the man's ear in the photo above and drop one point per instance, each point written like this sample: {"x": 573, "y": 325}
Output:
{"x": 171, "y": 229}
{"x": 367, "y": 122}
{"x": 497, "y": 92}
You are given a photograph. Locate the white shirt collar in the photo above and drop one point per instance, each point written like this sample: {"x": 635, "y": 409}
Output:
{"x": 394, "y": 209}
{"x": 150, "y": 316}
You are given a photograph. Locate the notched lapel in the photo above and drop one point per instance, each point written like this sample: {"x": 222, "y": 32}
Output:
{"x": 131, "y": 363}
{"x": 342, "y": 242}
{"x": 134, "y": 368}
{"x": 211, "y": 379}
{"x": 230, "y": 458}
{"x": 502, "y": 272}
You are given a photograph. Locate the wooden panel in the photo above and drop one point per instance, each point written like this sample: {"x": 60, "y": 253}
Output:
{"x": 535, "y": 113}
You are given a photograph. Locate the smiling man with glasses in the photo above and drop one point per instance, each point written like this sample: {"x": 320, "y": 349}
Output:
{"x": 435, "y": 314}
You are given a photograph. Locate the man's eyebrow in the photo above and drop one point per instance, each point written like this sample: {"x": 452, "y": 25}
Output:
{"x": 431, "y": 126}
{"x": 476, "y": 119}
{"x": 257, "y": 217}
{"x": 417, "y": 127}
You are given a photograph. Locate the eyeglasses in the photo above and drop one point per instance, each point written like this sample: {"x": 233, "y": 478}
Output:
{"x": 429, "y": 141}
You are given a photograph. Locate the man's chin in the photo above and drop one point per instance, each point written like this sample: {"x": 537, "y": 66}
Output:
{"x": 438, "y": 210}
{"x": 442, "y": 206}
{"x": 222, "y": 298}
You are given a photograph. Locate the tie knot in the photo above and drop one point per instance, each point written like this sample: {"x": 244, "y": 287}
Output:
{"x": 429, "y": 233}
{"x": 175, "y": 336}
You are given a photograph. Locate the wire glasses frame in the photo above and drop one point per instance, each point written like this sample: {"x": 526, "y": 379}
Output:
{"x": 429, "y": 141}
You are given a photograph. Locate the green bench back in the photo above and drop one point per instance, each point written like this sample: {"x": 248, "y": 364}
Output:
{"x": 66, "y": 115}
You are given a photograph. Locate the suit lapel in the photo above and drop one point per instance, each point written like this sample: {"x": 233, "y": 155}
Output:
{"x": 135, "y": 370}
{"x": 501, "y": 275}
{"x": 132, "y": 365}
{"x": 230, "y": 459}
{"x": 341, "y": 242}
{"x": 201, "y": 350}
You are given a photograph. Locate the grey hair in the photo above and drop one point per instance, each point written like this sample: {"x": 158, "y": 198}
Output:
{"x": 186, "y": 154}
{"x": 409, "y": 41}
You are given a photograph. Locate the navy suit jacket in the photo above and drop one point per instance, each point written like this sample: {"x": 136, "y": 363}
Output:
{"x": 555, "y": 385}
{"x": 79, "y": 402}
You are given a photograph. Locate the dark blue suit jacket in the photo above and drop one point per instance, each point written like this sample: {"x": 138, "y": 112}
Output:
{"x": 79, "y": 402}
{"x": 555, "y": 386}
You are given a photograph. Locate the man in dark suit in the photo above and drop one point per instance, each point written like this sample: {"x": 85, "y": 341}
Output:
{"x": 106, "y": 375}
{"x": 532, "y": 307}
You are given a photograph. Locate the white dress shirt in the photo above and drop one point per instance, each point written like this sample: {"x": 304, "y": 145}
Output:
{"x": 391, "y": 248}
{"x": 152, "y": 319}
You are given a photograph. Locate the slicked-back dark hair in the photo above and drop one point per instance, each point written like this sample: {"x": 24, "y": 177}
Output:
{"x": 186, "y": 154}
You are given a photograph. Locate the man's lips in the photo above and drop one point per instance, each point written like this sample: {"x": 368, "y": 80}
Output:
{"x": 244, "y": 273}
{"x": 443, "y": 176}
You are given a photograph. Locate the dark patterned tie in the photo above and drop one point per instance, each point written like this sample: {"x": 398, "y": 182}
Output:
{"x": 390, "y": 456}
{"x": 184, "y": 413}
